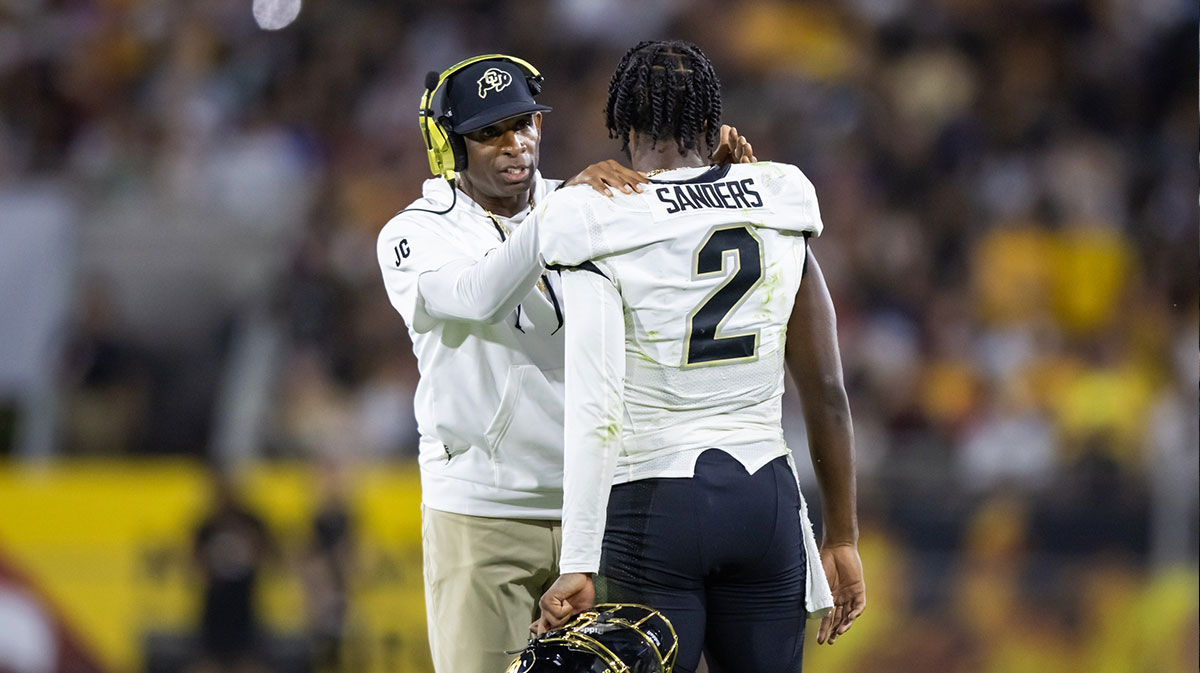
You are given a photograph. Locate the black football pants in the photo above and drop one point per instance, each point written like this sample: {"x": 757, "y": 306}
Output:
{"x": 721, "y": 554}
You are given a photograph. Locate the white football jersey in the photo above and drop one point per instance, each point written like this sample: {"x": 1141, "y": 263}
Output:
{"x": 675, "y": 344}
{"x": 707, "y": 263}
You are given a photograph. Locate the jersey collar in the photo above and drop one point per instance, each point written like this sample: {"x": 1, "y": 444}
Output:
{"x": 710, "y": 174}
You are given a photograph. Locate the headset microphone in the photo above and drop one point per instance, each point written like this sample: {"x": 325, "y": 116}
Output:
{"x": 431, "y": 80}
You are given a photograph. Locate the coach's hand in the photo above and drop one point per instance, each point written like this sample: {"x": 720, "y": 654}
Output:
{"x": 604, "y": 174}
{"x": 733, "y": 148}
{"x": 571, "y": 593}
{"x": 843, "y": 568}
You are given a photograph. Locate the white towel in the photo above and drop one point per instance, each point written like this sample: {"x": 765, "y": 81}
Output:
{"x": 818, "y": 597}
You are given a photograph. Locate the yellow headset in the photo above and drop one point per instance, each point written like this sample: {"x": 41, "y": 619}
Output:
{"x": 447, "y": 151}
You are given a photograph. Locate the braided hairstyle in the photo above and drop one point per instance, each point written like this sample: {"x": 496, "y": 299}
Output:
{"x": 665, "y": 89}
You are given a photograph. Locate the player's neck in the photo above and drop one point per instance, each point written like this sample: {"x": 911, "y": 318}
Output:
{"x": 663, "y": 155}
{"x": 504, "y": 206}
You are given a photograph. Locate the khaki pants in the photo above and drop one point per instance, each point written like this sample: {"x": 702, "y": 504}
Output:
{"x": 483, "y": 579}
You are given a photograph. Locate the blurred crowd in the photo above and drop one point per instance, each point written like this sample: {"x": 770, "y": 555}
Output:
{"x": 189, "y": 207}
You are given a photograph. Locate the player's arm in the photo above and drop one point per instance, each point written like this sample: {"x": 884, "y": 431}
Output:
{"x": 595, "y": 374}
{"x": 815, "y": 362}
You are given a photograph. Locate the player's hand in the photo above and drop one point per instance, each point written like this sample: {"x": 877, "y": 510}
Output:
{"x": 843, "y": 568}
{"x": 733, "y": 148}
{"x": 602, "y": 175}
{"x": 570, "y": 594}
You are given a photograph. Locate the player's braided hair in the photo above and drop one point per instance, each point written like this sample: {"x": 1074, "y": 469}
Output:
{"x": 665, "y": 89}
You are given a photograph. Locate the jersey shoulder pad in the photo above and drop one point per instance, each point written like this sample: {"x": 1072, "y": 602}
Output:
{"x": 793, "y": 195}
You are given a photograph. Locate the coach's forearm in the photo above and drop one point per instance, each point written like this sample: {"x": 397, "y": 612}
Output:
{"x": 487, "y": 289}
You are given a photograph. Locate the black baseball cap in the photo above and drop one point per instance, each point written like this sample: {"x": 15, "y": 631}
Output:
{"x": 486, "y": 92}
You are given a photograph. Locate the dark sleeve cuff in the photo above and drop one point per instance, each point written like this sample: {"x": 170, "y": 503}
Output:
{"x": 586, "y": 266}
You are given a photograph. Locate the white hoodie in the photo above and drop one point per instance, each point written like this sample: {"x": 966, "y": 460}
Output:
{"x": 489, "y": 403}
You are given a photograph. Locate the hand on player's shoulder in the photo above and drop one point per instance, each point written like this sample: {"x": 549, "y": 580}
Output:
{"x": 733, "y": 148}
{"x": 605, "y": 176}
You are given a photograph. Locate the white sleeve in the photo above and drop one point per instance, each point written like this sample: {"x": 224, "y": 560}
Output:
{"x": 482, "y": 290}
{"x": 595, "y": 381}
{"x": 409, "y": 246}
{"x": 563, "y": 232}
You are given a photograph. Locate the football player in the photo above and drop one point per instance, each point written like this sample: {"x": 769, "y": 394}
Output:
{"x": 687, "y": 302}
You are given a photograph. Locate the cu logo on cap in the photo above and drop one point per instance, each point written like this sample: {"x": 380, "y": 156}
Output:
{"x": 494, "y": 79}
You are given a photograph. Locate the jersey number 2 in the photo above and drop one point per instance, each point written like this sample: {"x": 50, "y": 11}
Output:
{"x": 703, "y": 345}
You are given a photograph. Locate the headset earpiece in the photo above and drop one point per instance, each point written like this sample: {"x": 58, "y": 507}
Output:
{"x": 458, "y": 150}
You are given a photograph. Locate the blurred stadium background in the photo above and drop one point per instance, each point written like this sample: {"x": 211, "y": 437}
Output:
{"x": 188, "y": 209}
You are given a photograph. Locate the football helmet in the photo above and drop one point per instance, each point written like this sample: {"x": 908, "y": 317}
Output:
{"x": 609, "y": 638}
